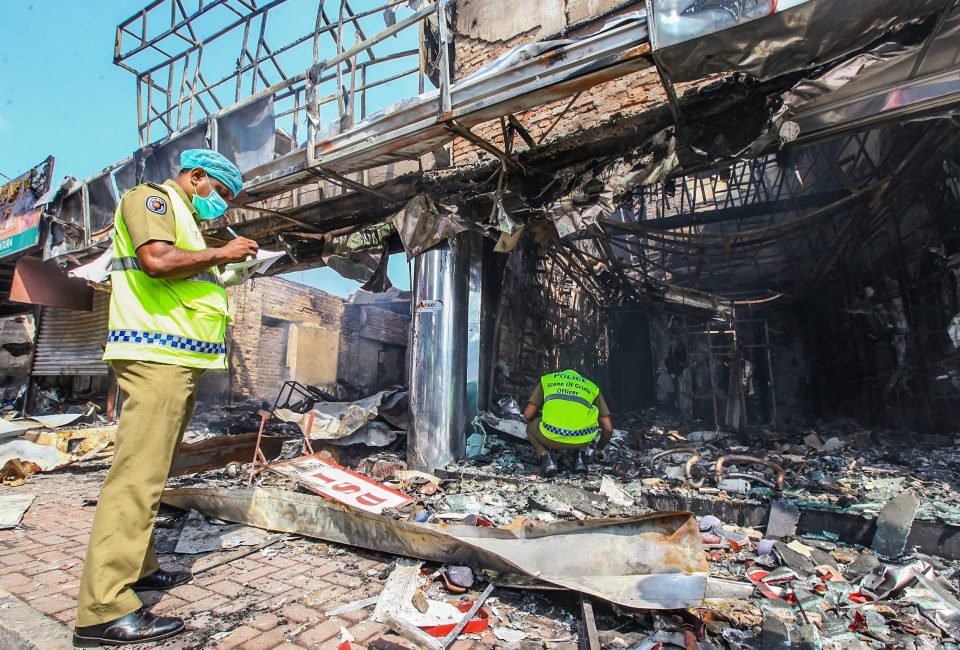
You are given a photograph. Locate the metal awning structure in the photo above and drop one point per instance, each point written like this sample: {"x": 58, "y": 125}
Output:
{"x": 348, "y": 153}
{"x": 274, "y": 161}
{"x": 526, "y": 77}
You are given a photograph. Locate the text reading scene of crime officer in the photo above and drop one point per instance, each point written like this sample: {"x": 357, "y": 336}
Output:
{"x": 168, "y": 317}
{"x": 574, "y": 413}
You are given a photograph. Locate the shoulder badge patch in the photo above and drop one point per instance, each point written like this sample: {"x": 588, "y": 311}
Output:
{"x": 156, "y": 205}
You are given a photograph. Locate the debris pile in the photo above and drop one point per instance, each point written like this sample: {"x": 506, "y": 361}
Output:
{"x": 838, "y": 466}
{"x": 237, "y": 419}
{"x": 44, "y": 443}
{"x": 374, "y": 421}
{"x": 472, "y": 539}
{"x": 814, "y": 591}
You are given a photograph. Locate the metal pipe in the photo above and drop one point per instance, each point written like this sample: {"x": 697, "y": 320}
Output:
{"x": 688, "y": 471}
{"x": 744, "y": 458}
{"x": 752, "y": 477}
{"x": 671, "y": 452}
{"x": 773, "y": 394}
{"x": 687, "y": 467}
{"x": 444, "y": 59}
{"x": 438, "y": 356}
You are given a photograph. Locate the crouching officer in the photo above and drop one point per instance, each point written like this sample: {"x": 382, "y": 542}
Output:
{"x": 574, "y": 413}
{"x": 168, "y": 318}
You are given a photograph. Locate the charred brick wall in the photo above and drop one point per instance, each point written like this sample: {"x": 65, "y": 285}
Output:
{"x": 545, "y": 322}
{"x": 283, "y": 330}
{"x": 258, "y": 339}
{"x": 485, "y": 29}
{"x": 373, "y": 347}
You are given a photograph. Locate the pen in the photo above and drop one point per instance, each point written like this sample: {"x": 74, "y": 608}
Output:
{"x": 235, "y": 236}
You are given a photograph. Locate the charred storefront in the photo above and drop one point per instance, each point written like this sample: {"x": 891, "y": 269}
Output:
{"x": 742, "y": 251}
{"x": 774, "y": 290}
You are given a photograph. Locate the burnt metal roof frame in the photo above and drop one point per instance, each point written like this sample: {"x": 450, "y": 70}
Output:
{"x": 247, "y": 61}
{"x": 897, "y": 180}
{"x": 599, "y": 62}
{"x": 729, "y": 243}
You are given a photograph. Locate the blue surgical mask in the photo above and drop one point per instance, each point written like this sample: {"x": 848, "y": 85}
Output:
{"x": 210, "y": 206}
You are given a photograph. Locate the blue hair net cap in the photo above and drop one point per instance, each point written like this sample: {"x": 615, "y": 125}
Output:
{"x": 215, "y": 164}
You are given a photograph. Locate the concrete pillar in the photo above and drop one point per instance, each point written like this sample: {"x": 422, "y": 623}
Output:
{"x": 438, "y": 359}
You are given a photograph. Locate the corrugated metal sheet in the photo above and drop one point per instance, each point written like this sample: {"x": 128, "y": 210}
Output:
{"x": 71, "y": 342}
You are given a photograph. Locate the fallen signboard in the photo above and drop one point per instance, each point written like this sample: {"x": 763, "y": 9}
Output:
{"x": 328, "y": 479}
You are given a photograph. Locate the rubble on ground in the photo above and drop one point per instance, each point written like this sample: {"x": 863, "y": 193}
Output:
{"x": 772, "y": 583}
{"x": 809, "y": 589}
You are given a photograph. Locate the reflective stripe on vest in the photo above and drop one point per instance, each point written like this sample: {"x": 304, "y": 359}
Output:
{"x": 568, "y": 398}
{"x": 133, "y": 264}
{"x": 179, "y": 322}
{"x": 591, "y": 431}
{"x": 569, "y": 413}
{"x": 166, "y": 340}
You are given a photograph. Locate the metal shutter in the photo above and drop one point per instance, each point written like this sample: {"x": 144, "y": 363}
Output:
{"x": 71, "y": 342}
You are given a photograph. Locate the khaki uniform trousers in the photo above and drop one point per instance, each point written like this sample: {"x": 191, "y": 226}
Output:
{"x": 541, "y": 443}
{"x": 159, "y": 401}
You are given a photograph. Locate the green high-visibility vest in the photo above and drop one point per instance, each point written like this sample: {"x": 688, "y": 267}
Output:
{"x": 177, "y": 322}
{"x": 569, "y": 413}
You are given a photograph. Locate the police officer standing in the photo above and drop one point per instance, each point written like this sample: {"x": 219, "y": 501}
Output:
{"x": 574, "y": 413}
{"x": 168, "y": 318}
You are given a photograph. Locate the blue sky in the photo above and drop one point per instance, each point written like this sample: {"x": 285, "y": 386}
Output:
{"x": 62, "y": 95}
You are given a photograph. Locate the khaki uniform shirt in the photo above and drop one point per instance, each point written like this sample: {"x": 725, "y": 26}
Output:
{"x": 600, "y": 403}
{"x": 149, "y": 215}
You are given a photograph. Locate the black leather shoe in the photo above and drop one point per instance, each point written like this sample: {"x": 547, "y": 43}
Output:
{"x": 137, "y": 627}
{"x": 161, "y": 580}
{"x": 580, "y": 463}
{"x": 548, "y": 468}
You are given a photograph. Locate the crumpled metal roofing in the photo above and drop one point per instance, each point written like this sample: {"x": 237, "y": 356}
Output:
{"x": 653, "y": 561}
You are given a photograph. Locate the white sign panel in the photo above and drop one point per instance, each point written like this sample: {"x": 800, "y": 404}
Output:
{"x": 328, "y": 479}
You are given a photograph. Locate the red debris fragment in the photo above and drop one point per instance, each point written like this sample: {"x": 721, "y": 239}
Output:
{"x": 756, "y": 575}
{"x": 859, "y": 623}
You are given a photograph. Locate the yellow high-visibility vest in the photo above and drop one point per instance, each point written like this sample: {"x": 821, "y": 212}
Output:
{"x": 177, "y": 322}
{"x": 569, "y": 413}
